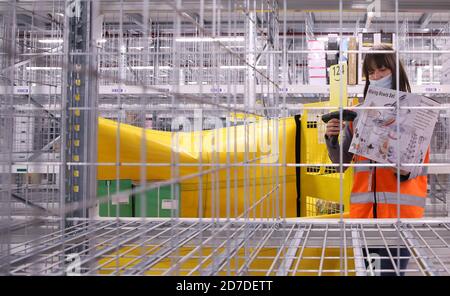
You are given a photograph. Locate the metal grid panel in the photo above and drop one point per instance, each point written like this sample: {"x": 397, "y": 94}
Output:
{"x": 51, "y": 80}
{"x": 257, "y": 248}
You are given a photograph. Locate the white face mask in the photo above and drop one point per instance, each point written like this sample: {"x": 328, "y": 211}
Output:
{"x": 385, "y": 82}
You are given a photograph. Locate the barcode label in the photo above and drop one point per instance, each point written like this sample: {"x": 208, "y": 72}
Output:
{"x": 169, "y": 204}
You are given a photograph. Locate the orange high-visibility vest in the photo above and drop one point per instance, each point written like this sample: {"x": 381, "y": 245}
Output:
{"x": 374, "y": 192}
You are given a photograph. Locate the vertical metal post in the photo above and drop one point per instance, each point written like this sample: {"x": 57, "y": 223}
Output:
{"x": 250, "y": 97}
{"x": 6, "y": 143}
{"x": 91, "y": 120}
{"x": 79, "y": 111}
{"x": 432, "y": 61}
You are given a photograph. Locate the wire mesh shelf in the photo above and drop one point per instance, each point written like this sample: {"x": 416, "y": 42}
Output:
{"x": 183, "y": 137}
{"x": 251, "y": 247}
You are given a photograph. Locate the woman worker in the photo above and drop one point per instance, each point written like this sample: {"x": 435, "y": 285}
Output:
{"x": 374, "y": 192}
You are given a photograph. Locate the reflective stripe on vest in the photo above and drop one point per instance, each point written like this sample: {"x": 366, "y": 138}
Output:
{"x": 358, "y": 169}
{"x": 387, "y": 198}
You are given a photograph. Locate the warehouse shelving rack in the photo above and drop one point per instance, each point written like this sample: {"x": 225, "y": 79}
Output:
{"x": 66, "y": 63}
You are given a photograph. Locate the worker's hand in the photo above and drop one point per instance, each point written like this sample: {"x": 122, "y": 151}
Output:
{"x": 333, "y": 127}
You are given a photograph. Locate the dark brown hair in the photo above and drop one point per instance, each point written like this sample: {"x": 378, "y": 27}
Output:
{"x": 377, "y": 60}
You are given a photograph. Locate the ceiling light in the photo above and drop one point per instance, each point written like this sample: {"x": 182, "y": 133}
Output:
{"x": 241, "y": 67}
{"x": 195, "y": 82}
{"x": 359, "y": 6}
{"x": 50, "y": 41}
{"x": 142, "y": 67}
{"x": 43, "y": 68}
{"x": 210, "y": 39}
{"x": 233, "y": 67}
{"x": 150, "y": 67}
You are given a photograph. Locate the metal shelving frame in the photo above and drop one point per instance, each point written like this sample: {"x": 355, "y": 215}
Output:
{"x": 281, "y": 248}
{"x": 131, "y": 61}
